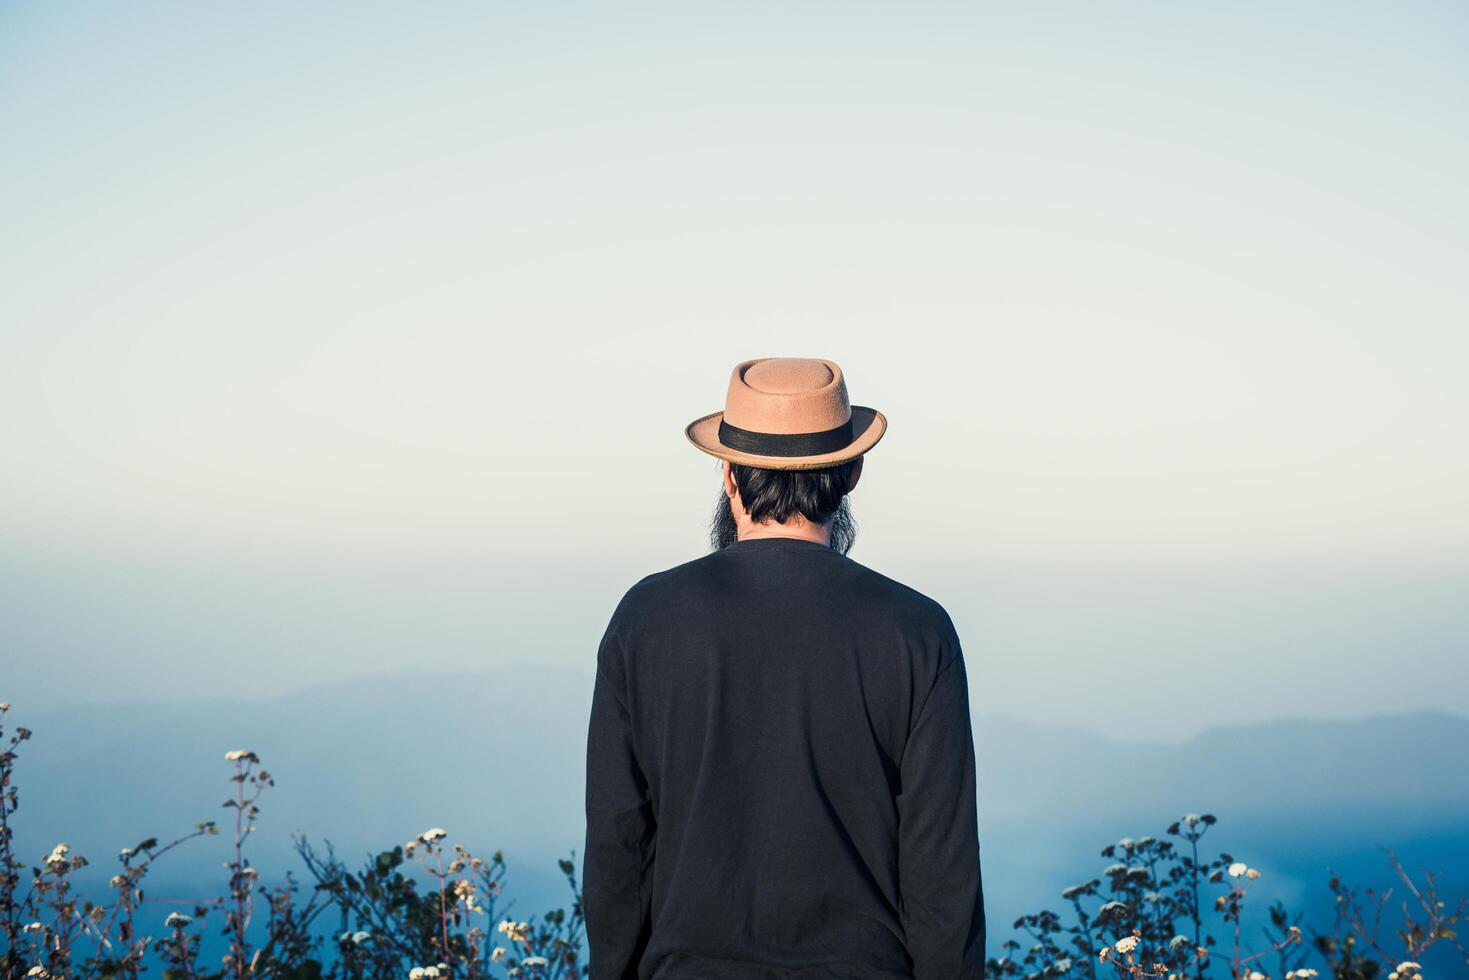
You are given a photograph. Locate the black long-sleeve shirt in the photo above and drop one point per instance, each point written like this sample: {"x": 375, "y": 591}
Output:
{"x": 780, "y": 776}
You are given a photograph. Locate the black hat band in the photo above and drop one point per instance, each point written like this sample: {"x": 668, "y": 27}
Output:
{"x": 784, "y": 443}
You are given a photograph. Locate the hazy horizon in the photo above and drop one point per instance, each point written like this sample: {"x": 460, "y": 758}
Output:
{"x": 1213, "y": 644}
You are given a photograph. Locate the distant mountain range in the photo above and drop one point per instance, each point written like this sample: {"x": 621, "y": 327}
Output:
{"x": 497, "y": 759}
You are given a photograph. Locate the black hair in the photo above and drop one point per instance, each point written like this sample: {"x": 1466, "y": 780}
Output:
{"x": 818, "y": 495}
{"x": 779, "y": 495}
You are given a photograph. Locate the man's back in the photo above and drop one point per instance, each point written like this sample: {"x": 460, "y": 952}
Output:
{"x": 781, "y": 776}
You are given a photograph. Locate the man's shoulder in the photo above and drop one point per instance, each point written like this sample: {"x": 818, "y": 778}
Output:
{"x": 913, "y": 606}
{"x": 657, "y": 589}
{"x": 876, "y": 591}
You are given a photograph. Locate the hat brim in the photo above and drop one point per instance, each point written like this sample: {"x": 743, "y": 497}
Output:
{"x": 868, "y": 425}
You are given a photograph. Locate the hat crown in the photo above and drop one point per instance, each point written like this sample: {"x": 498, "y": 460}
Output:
{"x": 787, "y": 396}
{"x": 788, "y": 375}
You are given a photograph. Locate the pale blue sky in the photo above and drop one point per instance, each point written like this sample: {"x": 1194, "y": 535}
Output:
{"x": 315, "y": 323}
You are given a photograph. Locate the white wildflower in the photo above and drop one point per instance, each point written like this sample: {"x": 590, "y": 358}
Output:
{"x": 361, "y": 937}
{"x": 177, "y": 920}
{"x": 239, "y": 755}
{"x": 433, "y": 834}
{"x": 1063, "y": 964}
{"x": 1252, "y": 874}
{"x": 58, "y": 854}
{"x": 1192, "y": 819}
{"x": 416, "y": 973}
{"x": 464, "y": 892}
{"x": 1127, "y": 944}
{"x": 37, "y": 971}
{"x": 1237, "y": 869}
{"x": 32, "y": 927}
{"x": 535, "y": 961}
{"x": 1256, "y": 975}
{"x": 497, "y": 954}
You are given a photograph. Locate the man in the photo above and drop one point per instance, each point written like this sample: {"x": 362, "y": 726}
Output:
{"x": 780, "y": 766}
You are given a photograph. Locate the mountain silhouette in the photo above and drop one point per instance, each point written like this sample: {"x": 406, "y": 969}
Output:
{"x": 497, "y": 758}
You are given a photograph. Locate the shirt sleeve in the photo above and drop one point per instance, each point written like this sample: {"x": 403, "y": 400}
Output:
{"x": 618, "y": 859}
{"x": 941, "y": 900}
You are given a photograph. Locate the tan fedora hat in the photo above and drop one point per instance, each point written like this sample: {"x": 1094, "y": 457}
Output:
{"x": 787, "y": 413}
